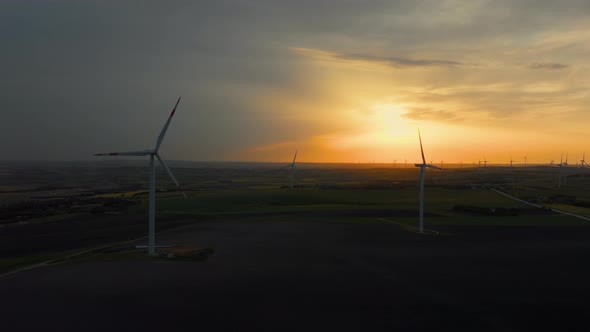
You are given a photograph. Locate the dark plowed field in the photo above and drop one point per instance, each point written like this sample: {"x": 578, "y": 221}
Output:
{"x": 305, "y": 276}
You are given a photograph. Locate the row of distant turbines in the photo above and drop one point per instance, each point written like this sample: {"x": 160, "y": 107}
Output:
{"x": 582, "y": 163}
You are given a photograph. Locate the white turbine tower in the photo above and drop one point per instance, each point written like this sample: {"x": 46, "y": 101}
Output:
{"x": 152, "y": 153}
{"x": 291, "y": 166}
{"x": 423, "y": 167}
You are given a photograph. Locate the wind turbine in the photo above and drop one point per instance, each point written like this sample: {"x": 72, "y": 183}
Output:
{"x": 485, "y": 162}
{"x": 561, "y": 160}
{"x": 525, "y": 158}
{"x": 292, "y": 171}
{"x": 582, "y": 163}
{"x": 562, "y": 165}
{"x": 565, "y": 166}
{"x": 423, "y": 167}
{"x": 153, "y": 153}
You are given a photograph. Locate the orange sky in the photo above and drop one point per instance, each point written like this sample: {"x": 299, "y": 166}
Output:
{"x": 492, "y": 106}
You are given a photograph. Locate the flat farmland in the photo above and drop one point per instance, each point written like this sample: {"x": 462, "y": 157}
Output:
{"x": 339, "y": 252}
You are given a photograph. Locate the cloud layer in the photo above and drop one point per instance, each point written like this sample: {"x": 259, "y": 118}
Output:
{"x": 101, "y": 75}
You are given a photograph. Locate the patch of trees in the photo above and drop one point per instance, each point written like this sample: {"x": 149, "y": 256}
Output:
{"x": 31, "y": 209}
{"x": 561, "y": 199}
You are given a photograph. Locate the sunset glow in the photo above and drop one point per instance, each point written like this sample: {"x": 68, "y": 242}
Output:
{"x": 342, "y": 83}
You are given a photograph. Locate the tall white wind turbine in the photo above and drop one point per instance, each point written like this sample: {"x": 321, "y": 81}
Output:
{"x": 291, "y": 166}
{"x": 153, "y": 153}
{"x": 423, "y": 167}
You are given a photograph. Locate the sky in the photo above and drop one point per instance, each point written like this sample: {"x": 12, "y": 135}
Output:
{"x": 339, "y": 80}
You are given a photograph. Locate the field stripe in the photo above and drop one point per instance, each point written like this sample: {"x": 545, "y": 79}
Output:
{"x": 539, "y": 206}
{"x": 57, "y": 260}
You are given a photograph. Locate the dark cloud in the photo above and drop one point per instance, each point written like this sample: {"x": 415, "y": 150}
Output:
{"x": 397, "y": 62}
{"x": 548, "y": 66}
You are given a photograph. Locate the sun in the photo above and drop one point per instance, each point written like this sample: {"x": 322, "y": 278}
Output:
{"x": 389, "y": 124}
{"x": 379, "y": 125}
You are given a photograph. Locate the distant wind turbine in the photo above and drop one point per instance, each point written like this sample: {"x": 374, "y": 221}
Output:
{"x": 423, "y": 167}
{"x": 511, "y": 161}
{"x": 525, "y": 159}
{"x": 583, "y": 163}
{"x": 562, "y": 179}
{"x": 291, "y": 166}
{"x": 153, "y": 153}
{"x": 565, "y": 166}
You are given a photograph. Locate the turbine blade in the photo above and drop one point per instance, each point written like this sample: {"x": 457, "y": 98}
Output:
{"x": 433, "y": 166}
{"x": 128, "y": 153}
{"x": 171, "y": 175}
{"x": 163, "y": 132}
{"x": 294, "y": 157}
{"x": 421, "y": 149}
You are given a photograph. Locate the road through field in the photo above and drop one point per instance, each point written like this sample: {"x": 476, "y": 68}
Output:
{"x": 539, "y": 206}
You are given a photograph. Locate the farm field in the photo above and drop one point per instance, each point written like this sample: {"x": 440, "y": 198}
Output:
{"x": 341, "y": 250}
{"x": 54, "y": 208}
